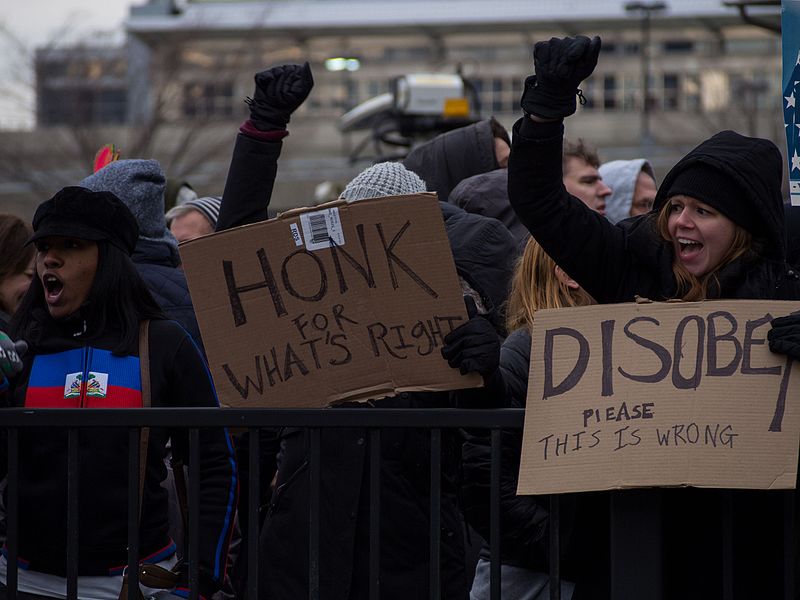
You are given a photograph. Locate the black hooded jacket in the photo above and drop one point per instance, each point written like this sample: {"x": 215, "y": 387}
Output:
{"x": 453, "y": 156}
{"x": 483, "y": 250}
{"x": 487, "y": 194}
{"x": 614, "y": 263}
{"x": 167, "y": 283}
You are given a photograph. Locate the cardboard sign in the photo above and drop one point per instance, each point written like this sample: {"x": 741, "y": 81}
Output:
{"x": 334, "y": 303}
{"x": 660, "y": 394}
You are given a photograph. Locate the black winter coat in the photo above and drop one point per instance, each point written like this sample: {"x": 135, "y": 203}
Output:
{"x": 524, "y": 520}
{"x": 178, "y": 378}
{"x": 487, "y": 194}
{"x": 616, "y": 262}
{"x": 158, "y": 267}
{"x": 484, "y": 253}
{"x": 453, "y": 156}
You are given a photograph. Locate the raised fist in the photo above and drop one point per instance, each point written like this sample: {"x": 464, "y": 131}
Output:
{"x": 279, "y": 91}
{"x": 561, "y": 64}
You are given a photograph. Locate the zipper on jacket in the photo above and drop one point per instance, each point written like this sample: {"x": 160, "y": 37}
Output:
{"x": 85, "y": 376}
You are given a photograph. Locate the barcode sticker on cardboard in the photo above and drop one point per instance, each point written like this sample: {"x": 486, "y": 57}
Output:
{"x": 322, "y": 229}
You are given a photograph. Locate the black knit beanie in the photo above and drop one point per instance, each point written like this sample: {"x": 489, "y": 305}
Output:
{"x": 718, "y": 190}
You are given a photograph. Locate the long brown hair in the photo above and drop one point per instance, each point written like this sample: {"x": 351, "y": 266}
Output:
{"x": 690, "y": 287}
{"x": 535, "y": 285}
{"x": 15, "y": 256}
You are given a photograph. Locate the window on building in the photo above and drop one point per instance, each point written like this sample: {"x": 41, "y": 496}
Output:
{"x": 678, "y": 46}
{"x": 516, "y": 94}
{"x": 477, "y": 86}
{"x": 472, "y": 53}
{"x": 351, "y": 94}
{"x": 630, "y": 48}
{"x": 208, "y": 100}
{"x": 691, "y": 93}
{"x": 53, "y": 69}
{"x": 752, "y": 46}
{"x": 609, "y": 48}
{"x": 672, "y": 92}
{"x": 631, "y": 91}
{"x": 110, "y": 106}
{"x": 82, "y": 106}
{"x": 609, "y": 92}
{"x": 413, "y": 54}
{"x": 497, "y": 96}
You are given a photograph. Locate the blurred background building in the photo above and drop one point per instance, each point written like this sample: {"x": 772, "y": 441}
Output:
{"x": 670, "y": 74}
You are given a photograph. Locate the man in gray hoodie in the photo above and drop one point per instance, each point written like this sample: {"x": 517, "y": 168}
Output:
{"x": 633, "y": 185}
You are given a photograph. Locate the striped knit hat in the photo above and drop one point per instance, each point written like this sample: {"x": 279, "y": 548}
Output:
{"x": 207, "y": 206}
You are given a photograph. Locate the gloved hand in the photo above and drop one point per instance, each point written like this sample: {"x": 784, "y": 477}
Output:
{"x": 784, "y": 337}
{"x": 10, "y": 355}
{"x": 473, "y": 346}
{"x": 279, "y": 91}
{"x": 561, "y": 64}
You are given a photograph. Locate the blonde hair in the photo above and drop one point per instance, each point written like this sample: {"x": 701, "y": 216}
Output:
{"x": 535, "y": 285}
{"x": 690, "y": 287}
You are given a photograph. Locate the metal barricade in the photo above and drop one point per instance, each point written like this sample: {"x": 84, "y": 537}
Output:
{"x": 626, "y": 521}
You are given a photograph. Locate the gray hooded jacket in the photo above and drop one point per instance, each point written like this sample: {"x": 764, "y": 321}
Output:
{"x": 621, "y": 176}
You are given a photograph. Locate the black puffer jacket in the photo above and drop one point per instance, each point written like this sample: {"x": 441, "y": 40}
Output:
{"x": 614, "y": 263}
{"x": 158, "y": 266}
{"x": 453, "y": 156}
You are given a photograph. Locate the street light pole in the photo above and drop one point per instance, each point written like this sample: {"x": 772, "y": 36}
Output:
{"x": 645, "y": 9}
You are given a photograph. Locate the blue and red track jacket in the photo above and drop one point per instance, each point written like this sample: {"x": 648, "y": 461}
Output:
{"x": 67, "y": 372}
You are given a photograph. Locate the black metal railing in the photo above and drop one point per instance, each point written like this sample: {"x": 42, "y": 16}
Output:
{"x": 625, "y": 522}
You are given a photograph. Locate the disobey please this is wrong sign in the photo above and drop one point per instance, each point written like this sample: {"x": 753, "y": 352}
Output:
{"x": 660, "y": 394}
{"x": 340, "y": 302}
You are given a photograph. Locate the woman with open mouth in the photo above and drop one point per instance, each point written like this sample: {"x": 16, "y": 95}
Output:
{"x": 716, "y": 231}
{"x": 94, "y": 333}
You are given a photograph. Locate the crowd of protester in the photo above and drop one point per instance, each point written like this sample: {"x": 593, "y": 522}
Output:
{"x": 94, "y": 286}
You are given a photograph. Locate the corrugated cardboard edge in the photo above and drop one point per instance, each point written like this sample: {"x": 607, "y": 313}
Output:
{"x": 376, "y": 392}
{"x": 294, "y": 212}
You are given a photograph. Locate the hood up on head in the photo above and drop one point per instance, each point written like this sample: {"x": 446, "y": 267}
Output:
{"x": 753, "y": 167}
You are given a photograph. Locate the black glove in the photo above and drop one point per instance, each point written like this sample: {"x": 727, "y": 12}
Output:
{"x": 473, "y": 347}
{"x": 561, "y": 65}
{"x": 279, "y": 91}
{"x": 10, "y": 356}
{"x": 784, "y": 337}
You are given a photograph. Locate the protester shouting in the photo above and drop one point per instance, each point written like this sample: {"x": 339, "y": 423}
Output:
{"x": 85, "y": 318}
{"x": 716, "y": 231}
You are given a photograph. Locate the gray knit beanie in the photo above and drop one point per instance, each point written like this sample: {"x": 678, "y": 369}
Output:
{"x": 383, "y": 179}
{"x": 140, "y": 185}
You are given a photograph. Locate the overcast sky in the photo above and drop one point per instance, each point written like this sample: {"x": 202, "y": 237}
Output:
{"x": 38, "y": 22}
